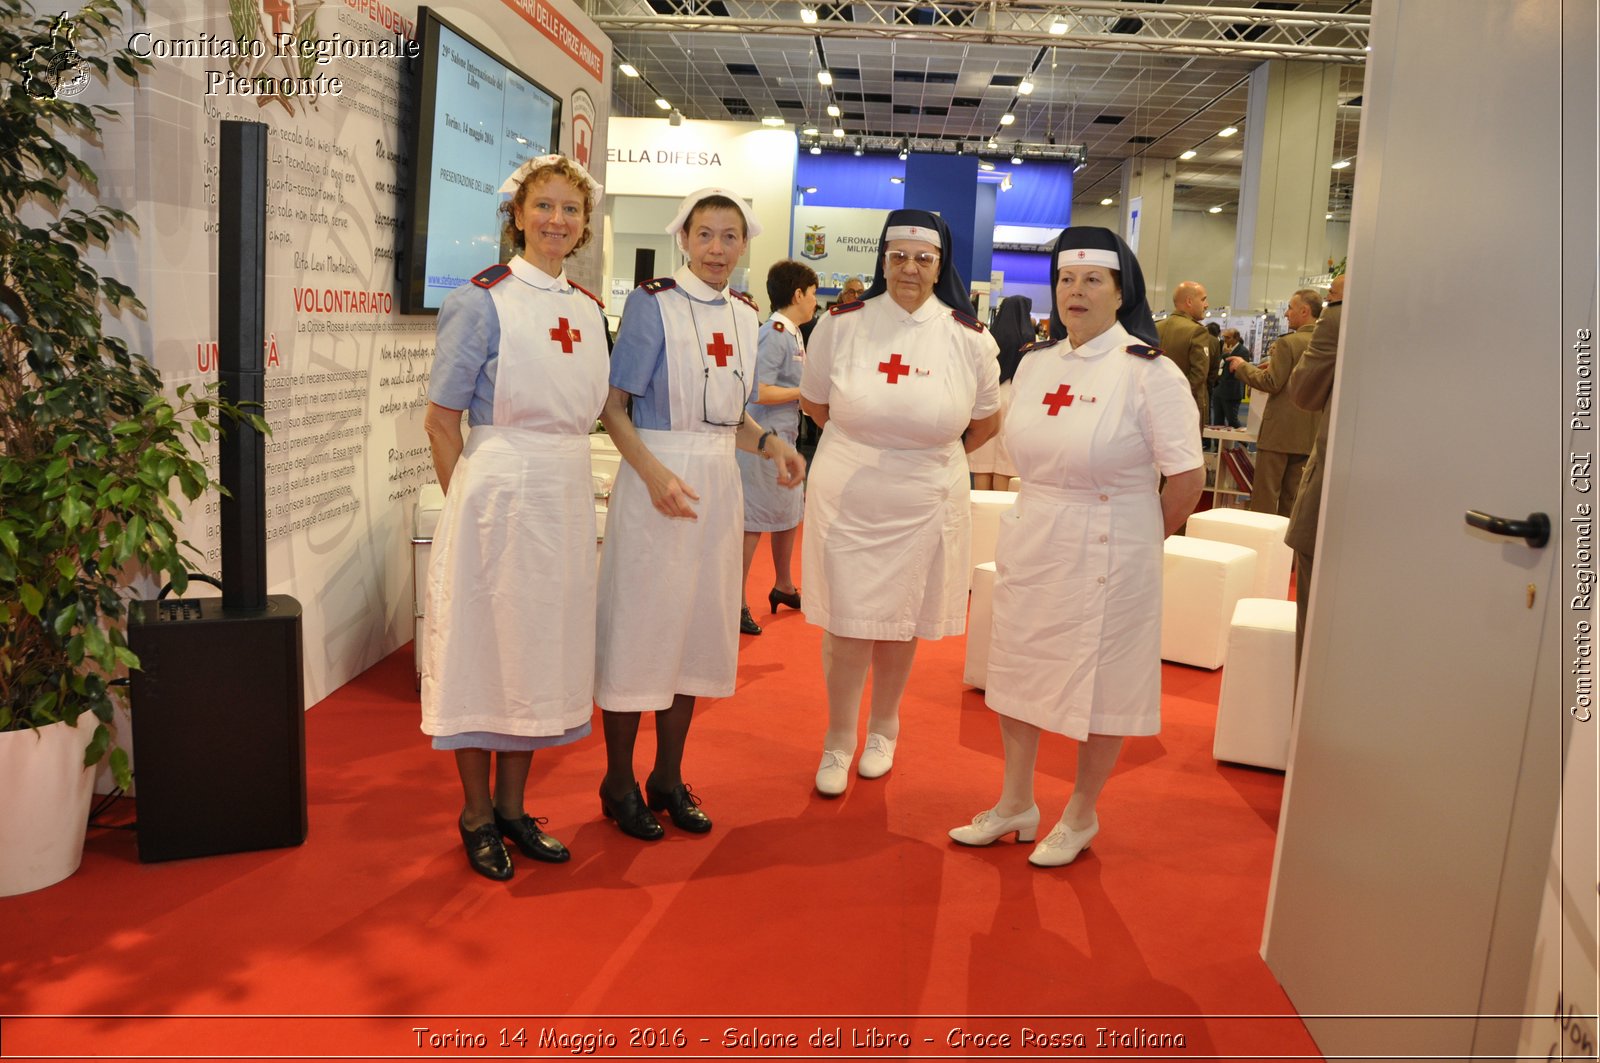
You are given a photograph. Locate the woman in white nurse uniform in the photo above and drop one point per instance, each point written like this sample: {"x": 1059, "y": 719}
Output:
{"x": 508, "y": 645}
{"x": 902, "y": 383}
{"x": 668, "y": 608}
{"x": 1076, "y": 643}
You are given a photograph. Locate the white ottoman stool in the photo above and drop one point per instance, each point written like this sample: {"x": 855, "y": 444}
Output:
{"x": 1257, "y": 701}
{"x": 424, "y": 519}
{"x": 1261, "y": 532}
{"x": 980, "y": 620}
{"x": 1202, "y": 581}
{"x": 986, "y": 509}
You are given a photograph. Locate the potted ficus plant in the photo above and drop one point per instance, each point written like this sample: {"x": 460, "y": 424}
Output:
{"x": 91, "y": 445}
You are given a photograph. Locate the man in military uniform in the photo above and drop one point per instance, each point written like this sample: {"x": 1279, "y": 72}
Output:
{"x": 1186, "y": 341}
{"x": 1310, "y": 386}
{"x": 1287, "y": 431}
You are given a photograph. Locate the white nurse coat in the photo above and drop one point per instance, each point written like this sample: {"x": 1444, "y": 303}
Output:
{"x": 888, "y": 510}
{"x": 1076, "y": 642}
{"x": 508, "y": 643}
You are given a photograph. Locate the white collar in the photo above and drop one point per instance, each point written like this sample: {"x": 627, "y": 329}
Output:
{"x": 931, "y": 308}
{"x": 697, "y": 289}
{"x": 528, "y": 273}
{"x": 1109, "y": 340}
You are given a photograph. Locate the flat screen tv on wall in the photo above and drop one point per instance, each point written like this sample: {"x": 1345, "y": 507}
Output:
{"x": 477, "y": 118}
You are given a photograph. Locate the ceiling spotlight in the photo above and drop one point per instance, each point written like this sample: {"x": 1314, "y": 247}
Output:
{"x": 808, "y": 15}
{"x": 1341, "y": 164}
{"x": 833, "y": 110}
{"x": 902, "y": 180}
{"x": 1024, "y": 87}
{"x": 1230, "y": 131}
{"x": 663, "y": 104}
{"x": 857, "y": 151}
{"x": 1214, "y": 210}
{"x": 1058, "y": 27}
{"x": 992, "y": 143}
{"x": 1328, "y": 216}
{"x": 675, "y": 118}
{"x": 838, "y": 132}
{"x": 816, "y": 149}
{"x": 824, "y": 78}
{"x": 1016, "y": 158}
{"x": 904, "y": 151}
{"x": 1186, "y": 156}
{"x": 1106, "y": 202}
{"x": 629, "y": 70}
{"x": 809, "y": 131}
{"x": 1007, "y": 118}
{"x": 986, "y": 166}
{"x": 808, "y": 189}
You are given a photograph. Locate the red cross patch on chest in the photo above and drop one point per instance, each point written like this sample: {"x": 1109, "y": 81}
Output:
{"x": 1062, "y": 397}
{"x": 894, "y": 368}
{"x": 565, "y": 335}
{"x": 720, "y": 349}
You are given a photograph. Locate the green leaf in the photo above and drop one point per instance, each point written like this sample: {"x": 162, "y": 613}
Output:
{"x": 121, "y": 770}
{"x": 65, "y": 620}
{"x": 32, "y": 600}
{"x": 8, "y": 538}
{"x": 97, "y": 746}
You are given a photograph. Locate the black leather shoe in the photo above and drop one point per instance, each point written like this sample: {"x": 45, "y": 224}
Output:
{"x": 525, "y": 832}
{"x": 775, "y": 597}
{"x": 747, "y": 623}
{"x": 632, "y": 816}
{"x": 486, "y": 853}
{"x": 683, "y": 805}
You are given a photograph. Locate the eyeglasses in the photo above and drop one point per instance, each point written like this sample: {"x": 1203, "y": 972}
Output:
{"x": 923, "y": 259}
{"x": 705, "y": 401}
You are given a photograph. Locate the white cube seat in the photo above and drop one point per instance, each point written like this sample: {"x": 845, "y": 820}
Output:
{"x": 1261, "y": 532}
{"x": 1256, "y": 707}
{"x": 1202, "y": 581}
{"x": 987, "y": 506}
{"x": 980, "y": 620}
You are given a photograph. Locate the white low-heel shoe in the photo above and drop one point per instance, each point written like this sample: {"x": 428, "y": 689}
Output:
{"x": 986, "y": 827}
{"x": 1062, "y": 845}
{"x": 877, "y": 758}
{"x": 834, "y": 773}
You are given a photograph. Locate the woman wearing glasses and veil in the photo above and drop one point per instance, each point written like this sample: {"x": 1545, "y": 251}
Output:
{"x": 903, "y": 384}
{"x": 681, "y": 372}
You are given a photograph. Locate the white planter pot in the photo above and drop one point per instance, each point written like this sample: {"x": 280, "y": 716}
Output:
{"x": 44, "y": 804}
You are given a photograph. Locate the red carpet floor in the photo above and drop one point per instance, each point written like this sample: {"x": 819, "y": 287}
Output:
{"x": 852, "y": 924}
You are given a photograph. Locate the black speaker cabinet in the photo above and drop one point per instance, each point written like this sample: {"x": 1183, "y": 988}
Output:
{"x": 219, "y": 737}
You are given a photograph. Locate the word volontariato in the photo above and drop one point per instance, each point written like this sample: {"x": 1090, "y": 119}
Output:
{"x": 290, "y": 47}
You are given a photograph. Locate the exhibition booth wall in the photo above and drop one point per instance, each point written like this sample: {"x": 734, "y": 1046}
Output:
{"x": 346, "y": 373}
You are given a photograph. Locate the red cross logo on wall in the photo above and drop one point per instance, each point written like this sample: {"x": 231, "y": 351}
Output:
{"x": 894, "y": 368}
{"x": 1062, "y": 396}
{"x": 719, "y": 349}
{"x": 565, "y": 335}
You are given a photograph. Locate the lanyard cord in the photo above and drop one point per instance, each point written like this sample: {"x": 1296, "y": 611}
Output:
{"x": 705, "y": 354}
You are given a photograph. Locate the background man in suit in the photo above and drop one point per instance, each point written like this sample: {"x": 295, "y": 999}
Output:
{"x": 1186, "y": 341}
{"x": 1227, "y": 390}
{"x": 1287, "y": 431}
{"x": 1310, "y": 386}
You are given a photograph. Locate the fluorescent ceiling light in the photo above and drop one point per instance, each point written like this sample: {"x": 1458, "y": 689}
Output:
{"x": 808, "y": 15}
{"x": 1341, "y": 164}
{"x": 1186, "y": 156}
{"x": 1328, "y": 216}
{"x": 663, "y": 104}
{"x": 1058, "y": 27}
{"x": 824, "y": 77}
{"x": 986, "y": 165}
{"x": 772, "y": 121}
{"x": 1025, "y": 87}
{"x": 1007, "y": 118}
{"x": 629, "y": 70}
{"x": 809, "y": 131}
{"x": 833, "y": 110}
{"x": 838, "y": 132}
{"x": 1106, "y": 202}
{"x": 1230, "y": 131}
{"x": 1214, "y": 210}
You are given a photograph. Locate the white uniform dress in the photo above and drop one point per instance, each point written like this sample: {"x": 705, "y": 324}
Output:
{"x": 1076, "y": 643}
{"x": 669, "y": 587}
{"x": 508, "y": 643}
{"x": 888, "y": 512}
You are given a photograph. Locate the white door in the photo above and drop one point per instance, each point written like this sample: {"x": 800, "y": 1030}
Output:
{"x": 1415, "y": 835}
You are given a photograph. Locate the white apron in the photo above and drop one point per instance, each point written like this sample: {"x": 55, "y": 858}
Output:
{"x": 1076, "y": 642}
{"x": 509, "y": 635}
{"x": 669, "y": 587}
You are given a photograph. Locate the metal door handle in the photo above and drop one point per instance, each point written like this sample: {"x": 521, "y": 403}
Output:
{"x": 1536, "y": 529}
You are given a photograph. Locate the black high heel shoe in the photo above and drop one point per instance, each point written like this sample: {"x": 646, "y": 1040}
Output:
{"x": 535, "y": 843}
{"x": 747, "y": 623}
{"x": 631, "y": 815}
{"x": 683, "y": 805}
{"x": 792, "y": 600}
{"x": 486, "y": 853}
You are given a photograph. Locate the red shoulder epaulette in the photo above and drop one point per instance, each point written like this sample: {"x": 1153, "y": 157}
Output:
{"x": 1037, "y": 345}
{"x": 968, "y": 320}
{"x": 777, "y": 326}
{"x": 590, "y": 294}
{"x": 1142, "y": 350}
{"x": 659, "y": 285}
{"x": 492, "y": 276}
{"x": 745, "y": 299}
{"x": 845, "y": 308}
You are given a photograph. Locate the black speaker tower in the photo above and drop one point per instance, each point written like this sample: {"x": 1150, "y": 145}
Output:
{"x": 218, "y": 704}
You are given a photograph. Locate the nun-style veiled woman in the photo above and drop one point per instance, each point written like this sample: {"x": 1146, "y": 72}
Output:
{"x": 903, "y": 383}
{"x": 1096, "y": 420}
{"x": 681, "y": 373}
{"x": 508, "y": 647}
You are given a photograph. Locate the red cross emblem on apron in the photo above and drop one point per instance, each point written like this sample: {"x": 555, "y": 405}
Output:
{"x": 565, "y": 335}
{"x": 894, "y": 368}
{"x": 1062, "y": 396}
{"x": 719, "y": 349}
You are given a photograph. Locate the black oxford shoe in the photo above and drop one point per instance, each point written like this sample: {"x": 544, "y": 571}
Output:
{"x": 683, "y": 805}
{"x": 486, "y": 853}
{"x": 535, "y": 843}
{"x": 747, "y": 623}
{"x": 631, "y": 816}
